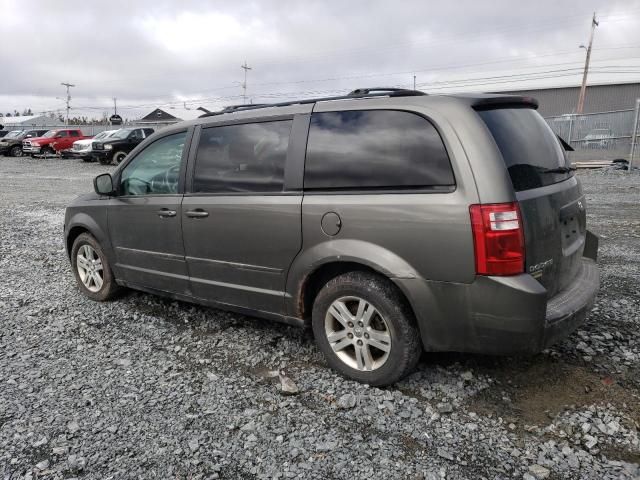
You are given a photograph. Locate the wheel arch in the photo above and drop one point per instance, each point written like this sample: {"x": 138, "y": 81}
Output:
{"x": 315, "y": 267}
{"x": 83, "y": 223}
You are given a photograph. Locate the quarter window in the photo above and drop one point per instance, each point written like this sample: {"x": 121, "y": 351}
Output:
{"x": 155, "y": 170}
{"x": 242, "y": 158}
{"x": 372, "y": 149}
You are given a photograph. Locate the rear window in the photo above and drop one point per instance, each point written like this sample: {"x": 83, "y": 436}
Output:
{"x": 531, "y": 151}
{"x": 375, "y": 149}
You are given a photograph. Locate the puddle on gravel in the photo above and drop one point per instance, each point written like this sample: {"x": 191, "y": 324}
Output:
{"x": 533, "y": 393}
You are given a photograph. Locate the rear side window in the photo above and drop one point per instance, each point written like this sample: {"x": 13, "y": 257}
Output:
{"x": 375, "y": 149}
{"x": 74, "y": 133}
{"x": 247, "y": 158}
{"x": 531, "y": 151}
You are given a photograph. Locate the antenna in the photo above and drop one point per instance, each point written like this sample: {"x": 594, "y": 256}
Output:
{"x": 68, "y": 85}
{"x": 245, "y": 67}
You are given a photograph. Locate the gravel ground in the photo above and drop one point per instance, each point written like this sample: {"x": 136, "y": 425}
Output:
{"x": 144, "y": 387}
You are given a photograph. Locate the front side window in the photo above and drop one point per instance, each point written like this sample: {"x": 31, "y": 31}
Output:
{"x": 136, "y": 135}
{"x": 242, "y": 158}
{"x": 63, "y": 134}
{"x": 75, "y": 134}
{"x": 375, "y": 149}
{"x": 155, "y": 170}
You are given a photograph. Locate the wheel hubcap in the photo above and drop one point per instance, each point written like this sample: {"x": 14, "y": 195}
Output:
{"x": 357, "y": 333}
{"x": 90, "y": 268}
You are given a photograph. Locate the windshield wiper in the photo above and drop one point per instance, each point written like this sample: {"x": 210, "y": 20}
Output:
{"x": 557, "y": 170}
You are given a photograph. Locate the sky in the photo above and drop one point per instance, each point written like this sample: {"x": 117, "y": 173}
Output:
{"x": 188, "y": 53}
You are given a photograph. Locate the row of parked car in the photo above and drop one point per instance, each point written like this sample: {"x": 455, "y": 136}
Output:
{"x": 106, "y": 147}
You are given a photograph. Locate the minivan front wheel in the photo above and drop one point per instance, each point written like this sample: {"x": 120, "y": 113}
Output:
{"x": 91, "y": 269}
{"x": 365, "y": 329}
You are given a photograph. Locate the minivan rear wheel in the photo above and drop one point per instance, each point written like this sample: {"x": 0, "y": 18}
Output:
{"x": 91, "y": 269}
{"x": 365, "y": 329}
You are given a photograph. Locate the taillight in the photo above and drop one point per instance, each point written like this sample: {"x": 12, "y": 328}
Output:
{"x": 498, "y": 238}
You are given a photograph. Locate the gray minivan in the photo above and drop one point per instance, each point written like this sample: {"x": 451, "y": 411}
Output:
{"x": 389, "y": 220}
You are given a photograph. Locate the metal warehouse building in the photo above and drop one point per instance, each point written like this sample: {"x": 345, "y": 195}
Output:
{"x": 599, "y": 98}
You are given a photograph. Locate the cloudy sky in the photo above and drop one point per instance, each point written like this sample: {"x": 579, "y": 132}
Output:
{"x": 150, "y": 53}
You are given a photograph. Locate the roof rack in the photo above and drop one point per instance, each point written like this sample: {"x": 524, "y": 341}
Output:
{"x": 357, "y": 93}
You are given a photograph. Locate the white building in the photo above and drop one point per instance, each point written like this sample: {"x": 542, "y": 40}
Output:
{"x": 23, "y": 122}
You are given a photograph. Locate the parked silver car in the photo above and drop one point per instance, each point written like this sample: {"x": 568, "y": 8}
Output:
{"x": 389, "y": 220}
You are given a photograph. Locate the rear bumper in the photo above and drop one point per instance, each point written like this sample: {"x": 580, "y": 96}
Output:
{"x": 567, "y": 310}
{"x": 500, "y": 315}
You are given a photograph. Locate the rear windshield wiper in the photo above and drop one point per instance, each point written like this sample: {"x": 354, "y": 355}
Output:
{"x": 557, "y": 170}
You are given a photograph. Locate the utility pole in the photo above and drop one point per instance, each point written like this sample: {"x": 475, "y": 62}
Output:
{"x": 414, "y": 82}
{"x": 115, "y": 106}
{"x": 583, "y": 89}
{"x": 245, "y": 67}
{"x": 68, "y": 85}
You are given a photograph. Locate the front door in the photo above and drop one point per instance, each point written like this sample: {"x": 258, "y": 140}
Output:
{"x": 145, "y": 221}
{"x": 241, "y": 229}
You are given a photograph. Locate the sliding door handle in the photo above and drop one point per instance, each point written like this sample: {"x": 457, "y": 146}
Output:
{"x": 197, "y": 213}
{"x": 165, "y": 212}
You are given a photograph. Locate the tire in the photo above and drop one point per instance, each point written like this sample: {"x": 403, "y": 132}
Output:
{"x": 391, "y": 322}
{"x": 87, "y": 247}
{"x": 118, "y": 157}
{"x": 47, "y": 151}
{"x": 16, "y": 151}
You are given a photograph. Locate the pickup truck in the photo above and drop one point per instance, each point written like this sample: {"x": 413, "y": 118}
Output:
{"x": 11, "y": 144}
{"x": 52, "y": 142}
{"x": 81, "y": 149}
{"x": 119, "y": 144}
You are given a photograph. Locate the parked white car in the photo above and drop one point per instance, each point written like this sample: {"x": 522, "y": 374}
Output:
{"x": 82, "y": 148}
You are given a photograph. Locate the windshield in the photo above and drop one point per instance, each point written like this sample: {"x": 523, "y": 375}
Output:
{"x": 101, "y": 135}
{"x": 14, "y": 134}
{"x": 531, "y": 151}
{"x": 124, "y": 133}
{"x": 50, "y": 134}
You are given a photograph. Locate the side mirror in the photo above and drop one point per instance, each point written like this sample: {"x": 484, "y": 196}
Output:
{"x": 103, "y": 184}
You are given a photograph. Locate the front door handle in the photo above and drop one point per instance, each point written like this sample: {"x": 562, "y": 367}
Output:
{"x": 165, "y": 212}
{"x": 199, "y": 213}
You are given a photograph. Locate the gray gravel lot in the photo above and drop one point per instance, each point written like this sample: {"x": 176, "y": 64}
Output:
{"x": 144, "y": 387}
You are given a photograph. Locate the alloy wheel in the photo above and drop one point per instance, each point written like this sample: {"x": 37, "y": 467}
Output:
{"x": 90, "y": 269}
{"x": 357, "y": 333}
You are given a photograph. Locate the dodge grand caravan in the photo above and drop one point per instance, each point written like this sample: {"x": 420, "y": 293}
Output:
{"x": 390, "y": 221}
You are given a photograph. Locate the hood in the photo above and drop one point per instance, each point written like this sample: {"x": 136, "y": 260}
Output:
{"x": 38, "y": 139}
{"x": 85, "y": 142}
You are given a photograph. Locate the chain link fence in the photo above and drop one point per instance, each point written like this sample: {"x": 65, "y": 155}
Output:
{"x": 599, "y": 137}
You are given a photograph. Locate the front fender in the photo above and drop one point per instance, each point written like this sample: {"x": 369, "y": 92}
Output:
{"x": 96, "y": 227}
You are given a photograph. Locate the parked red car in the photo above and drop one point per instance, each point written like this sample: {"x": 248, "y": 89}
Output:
{"x": 52, "y": 142}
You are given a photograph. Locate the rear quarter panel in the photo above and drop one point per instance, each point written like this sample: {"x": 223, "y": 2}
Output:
{"x": 404, "y": 234}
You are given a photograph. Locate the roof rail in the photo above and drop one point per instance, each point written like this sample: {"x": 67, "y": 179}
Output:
{"x": 357, "y": 93}
{"x": 392, "y": 92}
